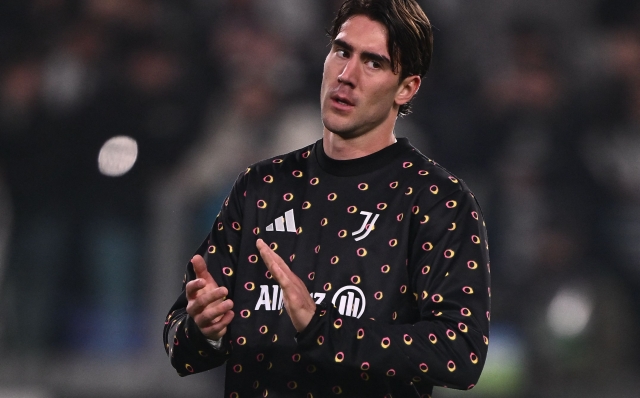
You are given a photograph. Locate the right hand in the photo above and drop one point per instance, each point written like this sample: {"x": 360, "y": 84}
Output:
{"x": 206, "y": 302}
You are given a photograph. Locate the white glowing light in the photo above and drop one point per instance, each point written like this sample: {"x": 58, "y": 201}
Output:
{"x": 117, "y": 156}
{"x": 569, "y": 312}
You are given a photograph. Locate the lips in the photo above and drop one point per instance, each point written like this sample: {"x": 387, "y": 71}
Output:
{"x": 342, "y": 101}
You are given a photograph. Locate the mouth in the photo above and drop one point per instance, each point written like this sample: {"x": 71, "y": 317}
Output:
{"x": 341, "y": 101}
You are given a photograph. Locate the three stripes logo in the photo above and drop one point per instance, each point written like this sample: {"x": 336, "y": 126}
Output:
{"x": 286, "y": 223}
{"x": 366, "y": 227}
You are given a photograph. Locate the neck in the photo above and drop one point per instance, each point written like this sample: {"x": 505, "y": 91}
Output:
{"x": 340, "y": 148}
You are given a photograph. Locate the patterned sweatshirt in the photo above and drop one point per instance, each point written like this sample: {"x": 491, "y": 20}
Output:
{"x": 392, "y": 248}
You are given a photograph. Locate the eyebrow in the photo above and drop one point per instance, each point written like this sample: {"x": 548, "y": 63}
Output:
{"x": 367, "y": 54}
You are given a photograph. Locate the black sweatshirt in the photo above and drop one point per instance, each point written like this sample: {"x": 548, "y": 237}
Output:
{"x": 393, "y": 249}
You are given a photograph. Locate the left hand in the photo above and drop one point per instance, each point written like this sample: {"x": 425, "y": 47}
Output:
{"x": 297, "y": 300}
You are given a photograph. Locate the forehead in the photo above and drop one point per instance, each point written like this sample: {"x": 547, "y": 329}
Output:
{"x": 364, "y": 34}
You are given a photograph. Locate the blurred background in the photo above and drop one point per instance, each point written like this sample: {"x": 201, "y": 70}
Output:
{"x": 123, "y": 124}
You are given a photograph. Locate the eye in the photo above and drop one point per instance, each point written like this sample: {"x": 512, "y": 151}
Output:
{"x": 374, "y": 64}
{"x": 342, "y": 53}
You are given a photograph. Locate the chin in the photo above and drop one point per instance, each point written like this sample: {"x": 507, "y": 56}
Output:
{"x": 343, "y": 129}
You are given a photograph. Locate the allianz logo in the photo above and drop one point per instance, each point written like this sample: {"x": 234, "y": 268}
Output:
{"x": 349, "y": 300}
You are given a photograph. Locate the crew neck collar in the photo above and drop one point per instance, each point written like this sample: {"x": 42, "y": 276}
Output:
{"x": 365, "y": 164}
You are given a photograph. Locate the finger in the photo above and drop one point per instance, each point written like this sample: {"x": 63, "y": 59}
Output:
{"x": 193, "y": 287}
{"x": 200, "y": 268}
{"x": 274, "y": 263}
{"x": 214, "y": 314}
{"x": 218, "y": 329}
{"x": 202, "y": 301}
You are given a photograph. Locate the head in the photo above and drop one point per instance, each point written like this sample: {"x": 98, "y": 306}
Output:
{"x": 380, "y": 51}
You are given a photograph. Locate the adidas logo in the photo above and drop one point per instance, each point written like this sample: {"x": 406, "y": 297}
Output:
{"x": 284, "y": 223}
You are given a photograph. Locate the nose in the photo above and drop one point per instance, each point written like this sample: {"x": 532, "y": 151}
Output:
{"x": 349, "y": 73}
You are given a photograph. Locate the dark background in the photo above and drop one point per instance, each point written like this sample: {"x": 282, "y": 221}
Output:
{"x": 534, "y": 103}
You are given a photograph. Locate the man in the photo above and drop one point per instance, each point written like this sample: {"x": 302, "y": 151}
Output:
{"x": 355, "y": 266}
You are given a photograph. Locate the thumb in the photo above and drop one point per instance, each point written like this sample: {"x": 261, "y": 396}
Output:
{"x": 200, "y": 268}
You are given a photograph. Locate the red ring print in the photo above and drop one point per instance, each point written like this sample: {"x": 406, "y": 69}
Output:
{"x": 274, "y": 338}
{"x": 434, "y": 189}
{"x": 337, "y": 390}
{"x": 385, "y": 343}
{"x": 295, "y": 357}
{"x": 277, "y": 161}
{"x": 352, "y": 209}
{"x": 288, "y": 196}
{"x": 253, "y": 259}
{"x": 409, "y": 191}
{"x": 426, "y": 269}
{"x": 227, "y": 271}
{"x": 415, "y": 210}
{"x": 407, "y": 339}
{"x": 188, "y": 367}
{"x": 427, "y": 246}
{"x": 432, "y": 338}
{"x": 381, "y": 206}
{"x": 385, "y": 269}
{"x": 297, "y": 173}
{"x": 400, "y": 216}
{"x": 332, "y": 196}
{"x": 449, "y": 253}
{"x": 488, "y": 316}
{"x": 262, "y": 204}
{"x": 256, "y": 231}
{"x": 355, "y": 280}
{"x": 306, "y": 154}
{"x": 451, "y": 366}
{"x": 393, "y": 242}
{"x": 423, "y": 367}
{"x": 249, "y": 286}
{"x": 467, "y": 289}
{"x": 314, "y": 181}
{"x": 268, "y": 275}
{"x": 472, "y": 265}
{"x": 361, "y": 252}
{"x": 425, "y": 294}
{"x": 299, "y": 231}
{"x": 364, "y": 366}
{"x": 324, "y": 222}
{"x": 292, "y": 385}
{"x": 245, "y": 313}
{"x": 394, "y": 316}
{"x": 235, "y": 394}
{"x": 378, "y": 295}
{"x": 342, "y": 233}
{"x": 475, "y": 239}
{"x": 406, "y": 165}
{"x": 337, "y": 323}
{"x": 260, "y": 357}
{"x": 317, "y": 249}
{"x": 391, "y": 372}
{"x": 339, "y": 357}
{"x": 425, "y": 219}
{"x": 453, "y": 179}
{"x": 212, "y": 249}
{"x": 465, "y": 312}
{"x": 268, "y": 179}
{"x": 230, "y": 248}
{"x": 486, "y": 340}
{"x": 220, "y": 226}
{"x": 241, "y": 340}
{"x": 451, "y": 204}
{"x": 306, "y": 205}
{"x": 263, "y": 329}
{"x": 320, "y": 340}
{"x": 474, "y": 215}
{"x": 436, "y": 298}
{"x": 327, "y": 287}
{"x": 364, "y": 376}
{"x": 292, "y": 257}
{"x": 273, "y": 246}
{"x": 363, "y": 186}
{"x": 463, "y": 328}
{"x": 403, "y": 289}
{"x": 237, "y": 368}
{"x": 360, "y": 334}
{"x": 451, "y": 334}
{"x": 394, "y": 185}
{"x": 423, "y": 173}
{"x": 334, "y": 260}
{"x": 311, "y": 276}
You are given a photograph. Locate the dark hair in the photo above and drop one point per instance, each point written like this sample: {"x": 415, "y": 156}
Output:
{"x": 410, "y": 41}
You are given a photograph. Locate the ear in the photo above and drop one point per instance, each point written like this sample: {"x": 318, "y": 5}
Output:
{"x": 407, "y": 89}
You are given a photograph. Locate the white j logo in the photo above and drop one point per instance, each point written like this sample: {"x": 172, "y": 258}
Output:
{"x": 365, "y": 225}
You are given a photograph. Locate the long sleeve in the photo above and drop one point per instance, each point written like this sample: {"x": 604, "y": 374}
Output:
{"x": 448, "y": 273}
{"x": 189, "y": 350}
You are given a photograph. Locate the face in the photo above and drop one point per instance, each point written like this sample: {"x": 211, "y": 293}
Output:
{"x": 360, "y": 92}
